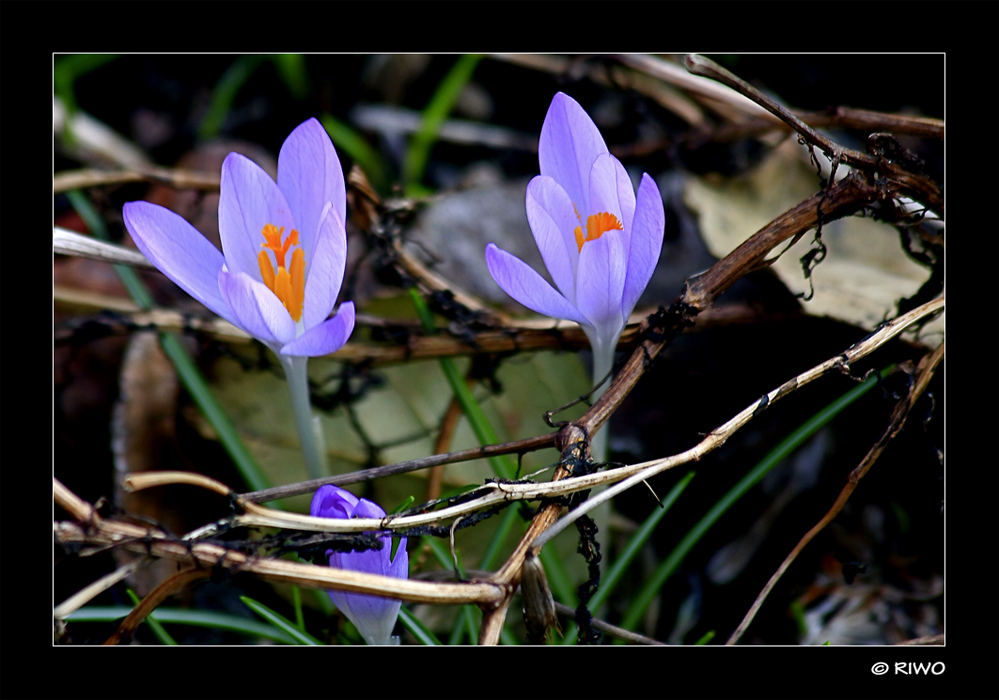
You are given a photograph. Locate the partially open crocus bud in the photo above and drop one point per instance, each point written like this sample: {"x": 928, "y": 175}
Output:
{"x": 373, "y": 616}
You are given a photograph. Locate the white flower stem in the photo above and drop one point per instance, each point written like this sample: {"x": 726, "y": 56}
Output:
{"x": 296, "y": 370}
{"x": 603, "y": 362}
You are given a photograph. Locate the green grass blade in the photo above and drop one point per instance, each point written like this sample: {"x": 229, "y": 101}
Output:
{"x": 66, "y": 70}
{"x": 135, "y": 287}
{"x": 489, "y": 557}
{"x": 195, "y": 618}
{"x": 707, "y": 637}
{"x": 348, "y": 141}
{"x": 502, "y": 466}
{"x": 280, "y": 622}
{"x": 655, "y": 582}
{"x": 291, "y": 68}
{"x": 635, "y": 544}
{"x": 558, "y": 578}
{"x": 296, "y": 600}
{"x": 154, "y": 624}
{"x": 216, "y": 415}
{"x": 437, "y": 109}
{"x": 417, "y": 628}
{"x": 224, "y": 94}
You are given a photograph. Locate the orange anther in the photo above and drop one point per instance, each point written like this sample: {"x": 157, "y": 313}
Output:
{"x": 596, "y": 226}
{"x": 289, "y": 287}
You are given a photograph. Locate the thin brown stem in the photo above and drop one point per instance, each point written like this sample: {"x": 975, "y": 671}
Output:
{"x": 180, "y": 179}
{"x": 140, "y": 612}
{"x": 845, "y": 117}
{"x": 529, "y": 445}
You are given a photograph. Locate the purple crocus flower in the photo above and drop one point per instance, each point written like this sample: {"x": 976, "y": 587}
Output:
{"x": 284, "y": 247}
{"x": 284, "y": 251}
{"x": 374, "y": 617}
{"x": 599, "y": 241}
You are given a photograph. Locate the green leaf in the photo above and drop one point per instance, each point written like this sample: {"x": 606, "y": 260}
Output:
{"x": 154, "y": 625}
{"x": 67, "y": 69}
{"x": 347, "y": 140}
{"x": 224, "y": 94}
{"x": 280, "y": 622}
{"x": 707, "y": 637}
{"x": 655, "y": 582}
{"x": 436, "y": 111}
{"x": 291, "y": 68}
{"x": 196, "y": 618}
{"x": 95, "y": 224}
{"x": 417, "y": 628}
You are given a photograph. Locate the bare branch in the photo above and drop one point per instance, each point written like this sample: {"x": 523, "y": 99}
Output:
{"x": 110, "y": 532}
{"x": 68, "y": 242}
{"x": 921, "y": 188}
{"x": 180, "y": 179}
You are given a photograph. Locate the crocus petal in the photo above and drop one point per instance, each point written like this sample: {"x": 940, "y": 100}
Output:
{"x": 553, "y": 221}
{"x": 179, "y": 251}
{"x": 329, "y": 336}
{"x": 523, "y": 283}
{"x": 333, "y": 502}
{"x": 570, "y": 143}
{"x": 256, "y": 309}
{"x": 309, "y": 175}
{"x": 611, "y": 190}
{"x": 646, "y": 243}
{"x": 325, "y": 271}
{"x": 600, "y": 281}
{"x": 249, "y": 200}
{"x": 373, "y": 616}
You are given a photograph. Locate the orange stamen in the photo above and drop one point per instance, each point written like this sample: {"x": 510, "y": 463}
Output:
{"x": 289, "y": 287}
{"x": 294, "y": 304}
{"x": 596, "y": 226}
{"x": 266, "y": 269}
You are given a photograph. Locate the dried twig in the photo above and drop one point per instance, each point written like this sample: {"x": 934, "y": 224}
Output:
{"x": 922, "y": 127}
{"x": 175, "y": 177}
{"x": 153, "y": 542}
{"x": 520, "y": 335}
{"x": 610, "y": 629}
{"x": 140, "y": 612}
{"x": 68, "y": 242}
{"x": 515, "y": 447}
{"x": 88, "y": 593}
{"x": 917, "y": 186}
